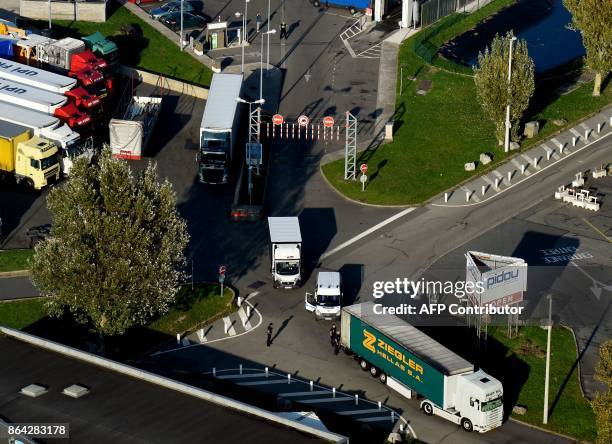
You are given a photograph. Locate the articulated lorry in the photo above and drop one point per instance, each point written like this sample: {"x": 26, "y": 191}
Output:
{"x": 48, "y": 81}
{"x": 406, "y": 359}
{"x": 130, "y": 134}
{"x": 285, "y": 251}
{"x": 44, "y": 101}
{"x": 219, "y": 129}
{"x": 70, "y": 144}
{"x": 28, "y": 159}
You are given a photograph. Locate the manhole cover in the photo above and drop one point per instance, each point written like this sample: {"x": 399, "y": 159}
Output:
{"x": 257, "y": 284}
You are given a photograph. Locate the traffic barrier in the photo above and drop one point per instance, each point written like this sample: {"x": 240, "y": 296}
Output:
{"x": 574, "y": 141}
{"x": 467, "y": 196}
{"x": 578, "y": 181}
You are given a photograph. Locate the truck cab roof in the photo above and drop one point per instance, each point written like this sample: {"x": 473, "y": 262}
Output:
{"x": 486, "y": 385}
{"x": 328, "y": 283}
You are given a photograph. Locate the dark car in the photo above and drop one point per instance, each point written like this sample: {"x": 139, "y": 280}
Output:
{"x": 173, "y": 21}
{"x": 168, "y": 8}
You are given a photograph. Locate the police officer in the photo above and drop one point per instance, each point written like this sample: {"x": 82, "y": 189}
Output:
{"x": 283, "y": 30}
{"x": 269, "y": 333}
{"x": 332, "y": 334}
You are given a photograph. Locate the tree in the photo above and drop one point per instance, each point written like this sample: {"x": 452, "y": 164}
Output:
{"x": 115, "y": 254}
{"x": 594, "y": 21}
{"x": 491, "y": 77}
{"x": 602, "y": 404}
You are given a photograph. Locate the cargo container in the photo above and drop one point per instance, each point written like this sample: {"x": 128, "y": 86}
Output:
{"x": 219, "y": 129}
{"x": 43, "y": 101}
{"x": 407, "y": 360}
{"x": 28, "y": 159}
{"x": 130, "y": 134}
{"x": 70, "y": 144}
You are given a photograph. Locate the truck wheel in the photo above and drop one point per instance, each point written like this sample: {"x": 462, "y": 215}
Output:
{"x": 383, "y": 378}
{"x": 363, "y": 364}
{"x": 374, "y": 372}
{"x": 29, "y": 183}
{"x": 467, "y": 425}
{"x": 427, "y": 409}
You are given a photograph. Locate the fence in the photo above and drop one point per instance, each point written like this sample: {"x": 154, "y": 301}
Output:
{"x": 434, "y": 10}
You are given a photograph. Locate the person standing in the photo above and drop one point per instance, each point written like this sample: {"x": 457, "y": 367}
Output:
{"x": 258, "y": 21}
{"x": 283, "y": 30}
{"x": 337, "y": 343}
{"x": 269, "y": 333}
{"x": 332, "y": 334}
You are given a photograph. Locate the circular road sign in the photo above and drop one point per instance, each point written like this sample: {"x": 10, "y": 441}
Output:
{"x": 328, "y": 121}
{"x": 222, "y": 270}
{"x": 363, "y": 178}
{"x": 363, "y": 168}
{"x": 277, "y": 119}
{"x": 303, "y": 120}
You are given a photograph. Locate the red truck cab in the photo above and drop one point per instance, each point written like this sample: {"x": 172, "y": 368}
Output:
{"x": 82, "y": 98}
{"x": 86, "y": 59}
{"x": 70, "y": 114}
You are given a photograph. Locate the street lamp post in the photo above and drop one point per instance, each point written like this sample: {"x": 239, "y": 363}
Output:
{"x": 244, "y": 26}
{"x": 507, "y": 138}
{"x": 49, "y": 14}
{"x": 268, "y": 43}
{"x": 547, "y": 376}
{"x": 271, "y": 31}
{"x": 181, "y": 37}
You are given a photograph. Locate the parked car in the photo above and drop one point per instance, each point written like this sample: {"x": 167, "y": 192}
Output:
{"x": 138, "y": 2}
{"x": 173, "y": 21}
{"x": 173, "y": 6}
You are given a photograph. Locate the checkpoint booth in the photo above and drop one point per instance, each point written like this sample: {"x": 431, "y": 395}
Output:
{"x": 216, "y": 34}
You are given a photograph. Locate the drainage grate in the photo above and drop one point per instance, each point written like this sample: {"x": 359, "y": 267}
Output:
{"x": 75, "y": 391}
{"x": 33, "y": 390}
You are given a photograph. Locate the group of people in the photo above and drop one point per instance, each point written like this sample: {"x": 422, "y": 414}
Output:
{"x": 334, "y": 337}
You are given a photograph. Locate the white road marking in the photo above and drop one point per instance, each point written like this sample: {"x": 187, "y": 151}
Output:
{"x": 498, "y": 174}
{"x": 336, "y": 399}
{"x": 360, "y": 412}
{"x": 529, "y": 160}
{"x": 316, "y": 392}
{"x": 228, "y": 327}
{"x": 375, "y": 418}
{"x": 472, "y": 193}
{"x": 239, "y": 376}
{"x": 268, "y": 381}
{"x": 243, "y": 318}
{"x": 517, "y": 164}
{"x": 367, "y": 232}
{"x": 575, "y": 132}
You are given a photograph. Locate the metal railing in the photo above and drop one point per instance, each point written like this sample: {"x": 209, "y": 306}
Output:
{"x": 434, "y": 10}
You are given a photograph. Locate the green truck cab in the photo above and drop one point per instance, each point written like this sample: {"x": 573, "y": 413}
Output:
{"x": 33, "y": 160}
{"x": 104, "y": 48}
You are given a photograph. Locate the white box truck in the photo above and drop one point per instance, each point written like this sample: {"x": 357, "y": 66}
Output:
{"x": 326, "y": 299}
{"x": 71, "y": 145}
{"x": 285, "y": 251}
{"x": 219, "y": 129}
{"x": 130, "y": 134}
{"x": 406, "y": 359}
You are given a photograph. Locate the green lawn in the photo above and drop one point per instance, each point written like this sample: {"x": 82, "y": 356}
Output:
{"x": 193, "y": 309}
{"x": 436, "y": 134}
{"x": 153, "y": 52}
{"x": 21, "y": 313}
{"x": 13, "y": 260}
{"x": 571, "y": 414}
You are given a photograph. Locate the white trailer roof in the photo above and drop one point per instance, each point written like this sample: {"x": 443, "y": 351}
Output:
{"x": 69, "y": 44}
{"x": 27, "y": 117}
{"x": 412, "y": 339}
{"x": 13, "y": 92}
{"x": 32, "y": 40}
{"x": 284, "y": 230}
{"x": 221, "y": 103}
{"x": 36, "y": 77}
{"x": 328, "y": 282}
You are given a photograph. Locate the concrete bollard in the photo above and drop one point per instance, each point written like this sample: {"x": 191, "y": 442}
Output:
{"x": 240, "y": 367}
{"x": 333, "y": 392}
{"x": 548, "y": 154}
{"x": 467, "y": 196}
{"x": 356, "y": 399}
{"x": 497, "y": 184}
{"x": 178, "y": 338}
{"x": 522, "y": 168}
{"x": 267, "y": 372}
{"x": 239, "y": 301}
{"x": 561, "y": 145}
{"x": 214, "y": 372}
{"x": 483, "y": 189}
{"x": 248, "y": 312}
{"x": 379, "y": 405}
{"x": 392, "y": 416}
{"x": 598, "y": 128}
{"x": 586, "y": 136}
{"x": 288, "y": 378}
{"x": 574, "y": 141}
{"x": 561, "y": 150}
{"x": 226, "y": 328}
{"x": 311, "y": 386}
{"x": 535, "y": 162}
{"x": 509, "y": 176}
{"x": 445, "y": 197}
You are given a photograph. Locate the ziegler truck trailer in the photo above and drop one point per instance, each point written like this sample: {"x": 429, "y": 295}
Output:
{"x": 285, "y": 251}
{"x": 130, "y": 135}
{"x": 70, "y": 144}
{"x": 406, "y": 359}
{"x": 44, "y": 101}
{"x": 48, "y": 81}
{"x": 25, "y": 158}
{"x": 219, "y": 129}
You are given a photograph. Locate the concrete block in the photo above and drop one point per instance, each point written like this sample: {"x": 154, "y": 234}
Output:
{"x": 514, "y": 146}
{"x": 389, "y": 131}
{"x": 485, "y": 158}
{"x": 532, "y": 129}
{"x": 470, "y": 166}
{"x": 519, "y": 410}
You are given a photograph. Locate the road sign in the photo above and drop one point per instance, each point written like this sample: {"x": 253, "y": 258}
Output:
{"x": 363, "y": 168}
{"x": 303, "y": 120}
{"x": 254, "y": 154}
{"x": 363, "y": 178}
{"x": 222, "y": 270}
{"x": 277, "y": 119}
{"x": 328, "y": 121}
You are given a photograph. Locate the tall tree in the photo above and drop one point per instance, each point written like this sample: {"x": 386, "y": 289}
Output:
{"x": 602, "y": 404}
{"x": 491, "y": 77}
{"x": 115, "y": 254}
{"x": 593, "y": 18}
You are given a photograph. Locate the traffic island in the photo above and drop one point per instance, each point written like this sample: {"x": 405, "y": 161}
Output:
{"x": 15, "y": 262}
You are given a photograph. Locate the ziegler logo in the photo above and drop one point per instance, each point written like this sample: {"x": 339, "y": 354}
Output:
{"x": 369, "y": 341}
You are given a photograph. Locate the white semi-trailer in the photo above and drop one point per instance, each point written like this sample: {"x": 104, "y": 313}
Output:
{"x": 71, "y": 145}
{"x": 285, "y": 251}
{"x": 36, "y": 77}
{"x": 406, "y": 359}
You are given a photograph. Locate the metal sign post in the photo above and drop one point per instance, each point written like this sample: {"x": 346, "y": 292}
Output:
{"x": 222, "y": 270}
{"x": 363, "y": 178}
{"x": 350, "y": 149}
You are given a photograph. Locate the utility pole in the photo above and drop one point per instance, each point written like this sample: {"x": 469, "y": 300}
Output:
{"x": 267, "y": 29}
{"x": 49, "y": 14}
{"x": 271, "y": 31}
{"x": 181, "y": 37}
{"x": 546, "y": 378}
{"x": 244, "y": 33}
{"x": 507, "y": 138}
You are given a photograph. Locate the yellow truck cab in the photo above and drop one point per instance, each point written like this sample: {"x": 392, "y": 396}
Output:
{"x": 33, "y": 160}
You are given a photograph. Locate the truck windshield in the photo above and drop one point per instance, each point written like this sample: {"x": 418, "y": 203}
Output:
{"x": 491, "y": 405}
{"x": 329, "y": 300}
{"x": 288, "y": 268}
{"x": 48, "y": 162}
{"x": 215, "y": 159}
{"x": 214, "y": 141}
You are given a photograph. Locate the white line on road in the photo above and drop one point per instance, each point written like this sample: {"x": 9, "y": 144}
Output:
{"x": 336, "y": 399}
{"x": 498, "y": 174}
{"x": 228, "y": 327}
{"x": 367, "y": 232}
{"x": 243, "y": 318}
{"x": 246, "y": 375}
{"x": 267, "y": 381}
{"x": 360, "y": 412}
